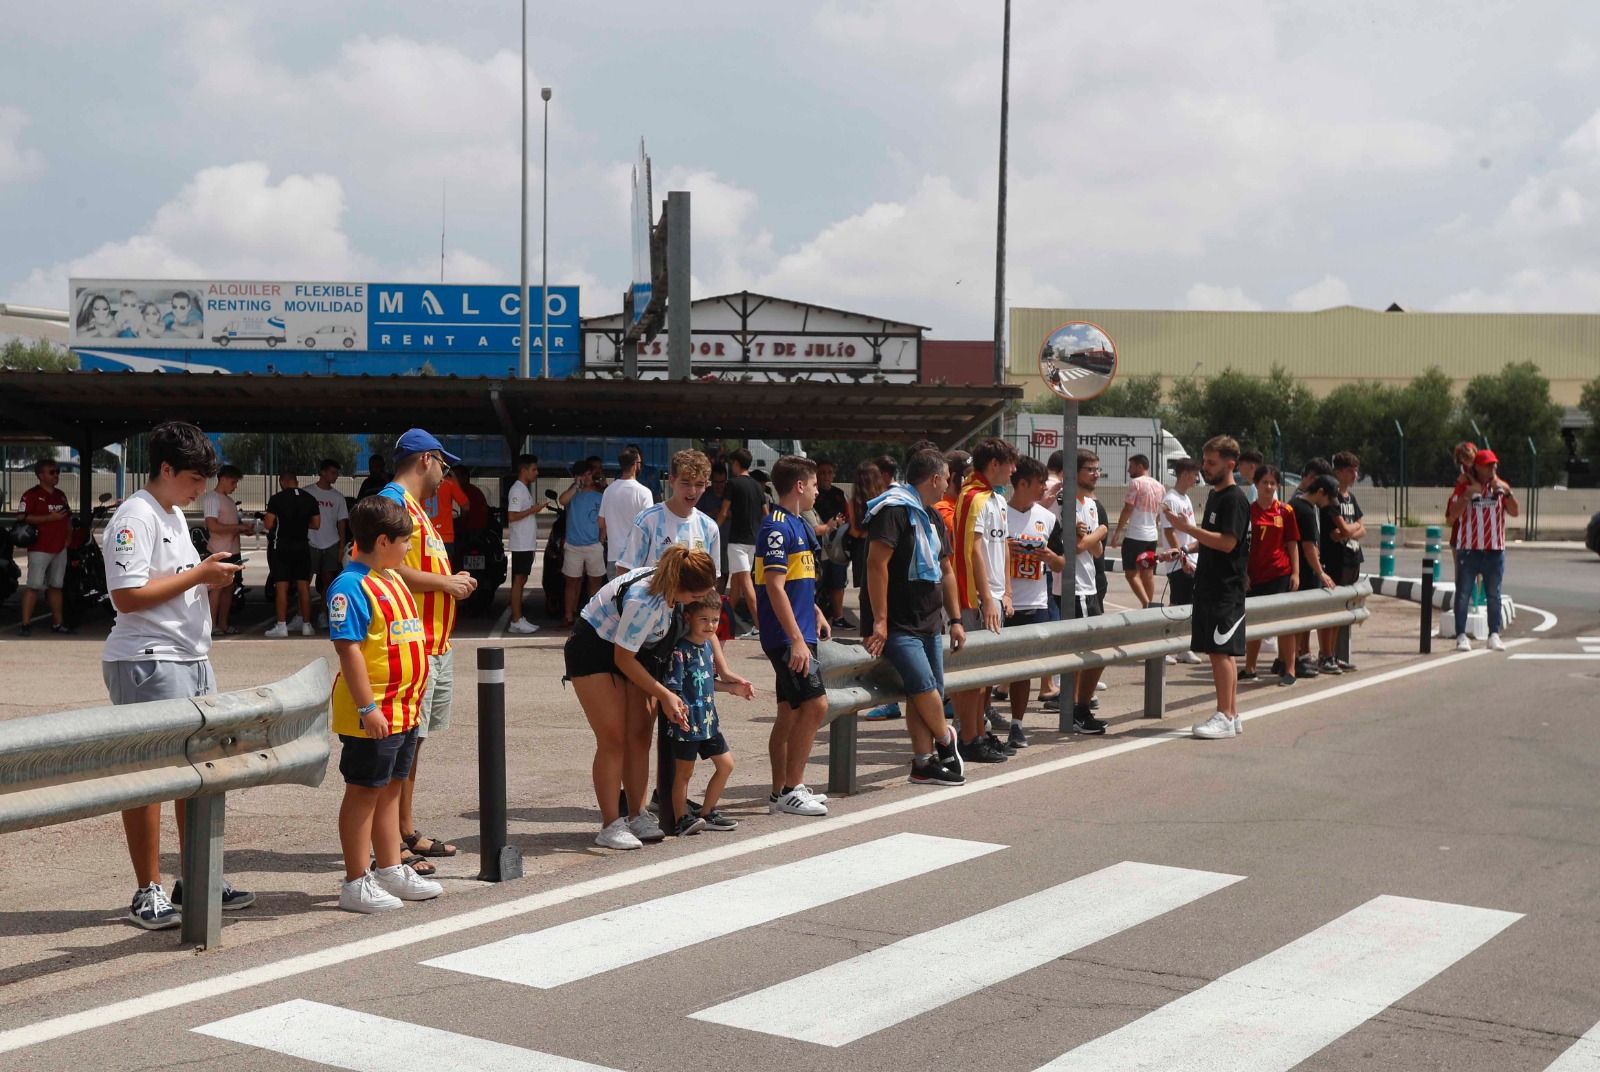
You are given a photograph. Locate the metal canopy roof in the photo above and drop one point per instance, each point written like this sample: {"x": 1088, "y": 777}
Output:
{"x": 76, "y": 407}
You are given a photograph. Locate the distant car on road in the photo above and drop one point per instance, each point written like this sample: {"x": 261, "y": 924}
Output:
{"x": 330, "y": 335}
{"x": 269, "y": 330}
{"x": 1592, "y": 540}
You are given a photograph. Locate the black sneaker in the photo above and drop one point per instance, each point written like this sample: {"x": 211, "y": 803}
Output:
{"x": 1084, "y": 722}
{"x": 950, "y": 756}
{"x": 932, "y": 772}
{"x": 1329, "y": 665}
{"x": 62, "y": 630}
{"x": 996, "y": 743}
{"x": 689, "y": 824}
{"x": 1050, "y": 703}
{"x": 232, "y": 899}
{"x": 1248, "y": 675}
{"x": 1345, "y": 666}
{"x": 152, "y": 910}
{"x": 977, "y": 751}
{"x": 1304, "y": 667}
{"x": 1277, "y": 667}
{"x": 715, "y": 820}
{"x": 1285, "y": 680}
{"x": 1018, "y": 738}
{"x": 27, "y": 630}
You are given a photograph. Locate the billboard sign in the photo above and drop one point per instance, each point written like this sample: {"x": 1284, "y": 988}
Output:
{"x": 311, "y": 327}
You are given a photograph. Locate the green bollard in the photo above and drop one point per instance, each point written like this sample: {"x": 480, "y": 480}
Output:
{"x": 1386, "y": 551}
{"x": 1432, "y": 549}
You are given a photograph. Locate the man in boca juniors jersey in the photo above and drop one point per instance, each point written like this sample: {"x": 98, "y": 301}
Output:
{"x": 786, "y": 614}
{"x": 383, "y": 670}
{"x": 420, "y": 465}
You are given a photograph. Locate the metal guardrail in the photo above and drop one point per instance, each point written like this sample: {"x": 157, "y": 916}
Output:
{"x": 856, "y": 681}
{"x": 75, "y": 764}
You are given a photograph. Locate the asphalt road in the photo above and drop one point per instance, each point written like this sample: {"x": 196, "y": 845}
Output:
{"x": 1401, "y": 872}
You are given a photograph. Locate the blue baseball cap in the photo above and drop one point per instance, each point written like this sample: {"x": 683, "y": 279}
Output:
{"x": 420, "y": 441}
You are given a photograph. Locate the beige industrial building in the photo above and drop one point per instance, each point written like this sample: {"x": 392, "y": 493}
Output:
{"x": 1327, "y": 348}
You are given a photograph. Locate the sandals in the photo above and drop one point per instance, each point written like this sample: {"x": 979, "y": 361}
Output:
{"x": 416, "y": 863}
{"x": 434, "y": 846}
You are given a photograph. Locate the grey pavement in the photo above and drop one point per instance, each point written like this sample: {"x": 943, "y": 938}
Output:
{"x": 1462, "y": 784}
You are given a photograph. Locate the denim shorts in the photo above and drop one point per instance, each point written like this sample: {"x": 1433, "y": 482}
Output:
{"x": 919, "y": 659}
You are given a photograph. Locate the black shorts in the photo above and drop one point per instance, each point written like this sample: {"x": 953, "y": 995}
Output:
{"x": 794, "y": 689}
{"x": 1218, "y": 626}
{"x": 290, "y": 564}
{"x": 1180, "y": 588}
{"x": 522, "y": 563}
{"x": 689, "y": 751}
{"x": 1132, "y": 549}
{"x": 1276, "y": 587}
{"x": 1088, "y": 607}
{"x": 588, "y": 653}
{"x": 1348, "y": 573}
{"x": 1038, "y": 616}
{"x": 374, "y": 764}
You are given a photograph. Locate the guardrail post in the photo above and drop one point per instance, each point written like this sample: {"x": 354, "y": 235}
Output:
{"x": 842, "y": 754}
{"x": 497, "y": 861}
{"x": 1155, "y": 687}
{"x": 201, "y": 870}
{"x": 1426, "y": 645}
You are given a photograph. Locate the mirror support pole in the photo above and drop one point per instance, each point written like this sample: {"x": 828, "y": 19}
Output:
{"x": 1067, "y": 502}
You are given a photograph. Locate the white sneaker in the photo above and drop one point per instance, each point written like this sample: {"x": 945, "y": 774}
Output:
{"x": 1100, "y": 686}
{"x": 797, "y": 801}
{"x": 1170, "y": 660}
{"x": 279, "y": 631}
{"x": 296, "y": 622}
{"x": 617, "y": 836}
{"x": 366, "y": 896}
{"x": 1190, "y": 657}
{"x": 1463, "y": 643}
{"x": 644, "y": 827}
{"x": 307, "y": 630}
{"x": 403, "y": 882}
{"x": 522, "y": 627}
{"x": 1215, "y": 728}
{"x": 1238, "y": 726}
{"x": 1495, "y": 643}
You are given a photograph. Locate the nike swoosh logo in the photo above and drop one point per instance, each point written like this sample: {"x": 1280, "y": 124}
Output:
{"x": 1222, "y": 638}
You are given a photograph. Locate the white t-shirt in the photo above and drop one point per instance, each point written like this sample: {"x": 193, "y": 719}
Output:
{"x": 524, "y": 533}
{"x": 225, "y": 510}
{"x": 1084, "y": 582}
{"x": 991, "y": 528}
{"x": 622, "y": 503}
{"x": 1180, "y": 504}
{"x": 332, "y": 509}
{"x": 1145, "y": 494}
{"x": 658, "y": 528}
{"x": 145, "y": 543}
{"x": 1027, "y": 572}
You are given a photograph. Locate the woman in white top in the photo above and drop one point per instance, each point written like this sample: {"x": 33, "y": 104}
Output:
{"x": 613, "y": 661}
{"x": 225, "y": 528}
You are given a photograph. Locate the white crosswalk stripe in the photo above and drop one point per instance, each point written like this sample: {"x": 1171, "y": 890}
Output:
{"x": 839, "y": 1004}
{"x": 587, "y": 947}
{"x": 342, "y": 1038}
{"x": 1277, "y": 1011}
{"x": 1581, "y": 1056}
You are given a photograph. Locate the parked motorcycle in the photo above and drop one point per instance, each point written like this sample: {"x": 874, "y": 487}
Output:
{"x": 10, "y": 575}
{"x": 555, "y": 545}
{"x": 83, "y": 587}
{"x": 482, "y": 553}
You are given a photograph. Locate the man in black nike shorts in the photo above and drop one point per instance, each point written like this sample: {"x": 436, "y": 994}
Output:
{"x": 1219, "y": 581}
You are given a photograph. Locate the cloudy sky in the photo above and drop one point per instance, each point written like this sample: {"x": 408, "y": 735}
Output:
{"x": 1233, "y": 154}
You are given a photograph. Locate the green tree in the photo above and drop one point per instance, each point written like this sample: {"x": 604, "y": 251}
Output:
{"x": 37, "y": 355}
{"x": 1512, "y": 407}
{"x": 1244, "y": 406}
{"x": 1358, "y": 417}
{"x": 252, "y": 452}
{"x": 1427, "y": 409}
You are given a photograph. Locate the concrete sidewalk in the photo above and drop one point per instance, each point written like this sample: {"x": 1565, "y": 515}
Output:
{"x": 65, "y": 888}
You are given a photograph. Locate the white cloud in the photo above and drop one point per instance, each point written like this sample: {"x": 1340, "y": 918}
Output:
{"x": 1532, "y": 290}
{"x": 1325, "y": 293}
{"x": 1208, "y": 296}
{"x": 17, "y": 161}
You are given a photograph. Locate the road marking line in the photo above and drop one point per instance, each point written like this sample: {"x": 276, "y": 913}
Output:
{"x": 187, "y": 993}
{"x": 628, "y": 935}
{"x": 1275, "y": 1012}
{"x": 1591, "y": 657}
{"x": 344, "y": 1038}
{"x": 839, "y": 1004}
{"x": 1545, "y": 626}
{"x": 1581, "y": 1056}
{"x": 500, "y": 625}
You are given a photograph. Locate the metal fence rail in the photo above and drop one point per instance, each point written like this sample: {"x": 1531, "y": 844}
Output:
{"x": 75, "y": 764}
{"x": 856, "y": 681}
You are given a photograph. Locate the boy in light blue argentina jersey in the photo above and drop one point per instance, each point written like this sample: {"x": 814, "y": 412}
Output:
{"x": 675, "y": 521}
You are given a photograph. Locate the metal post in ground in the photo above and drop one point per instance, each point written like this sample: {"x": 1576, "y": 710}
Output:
{"x": 1155, "y": 687}
{"x": 842, "y": 754}
{"x": 1068, "y": 505}
{"x": 201, "y": 870}
{"x": 666, "y": 775}
{"x": 1426, "y": 645}
{"x": 498, "y": 861}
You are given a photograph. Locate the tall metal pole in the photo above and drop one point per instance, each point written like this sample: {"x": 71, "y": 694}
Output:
{"x": 1000, "y": 222}
{"x": 522, "y": 357}
{"x": 544, "y": 244}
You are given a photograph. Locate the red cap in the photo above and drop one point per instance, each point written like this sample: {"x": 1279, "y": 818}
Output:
{"x": 1485, "y": 457}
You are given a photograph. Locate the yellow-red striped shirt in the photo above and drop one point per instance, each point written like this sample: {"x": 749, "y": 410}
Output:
{"x": 377, "y": 610}
{"x": 427, "y": 555}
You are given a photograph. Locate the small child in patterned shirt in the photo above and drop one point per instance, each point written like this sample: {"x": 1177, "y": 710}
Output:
{"x": 692, "y": 676}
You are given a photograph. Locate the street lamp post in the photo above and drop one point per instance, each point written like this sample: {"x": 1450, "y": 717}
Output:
{"x": 522, "y": 338}
{"x": 544, "y": 243}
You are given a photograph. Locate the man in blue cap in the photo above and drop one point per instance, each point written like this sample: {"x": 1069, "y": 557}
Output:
{"x": 420, "y": 465}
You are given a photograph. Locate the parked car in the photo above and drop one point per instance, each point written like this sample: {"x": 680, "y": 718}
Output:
{"x": 330, "y": 335}
{"x": 1592, "y": 539}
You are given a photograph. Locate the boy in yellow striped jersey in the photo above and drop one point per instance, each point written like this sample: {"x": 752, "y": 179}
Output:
{"x": 377, "y": 631}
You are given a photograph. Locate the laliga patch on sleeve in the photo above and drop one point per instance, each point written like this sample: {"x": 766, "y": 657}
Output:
{"x": 338, "y": 609}
{"x": 123, "y": 542}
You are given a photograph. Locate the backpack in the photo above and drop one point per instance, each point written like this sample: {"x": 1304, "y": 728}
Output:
{"x": 656, "y": 657}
